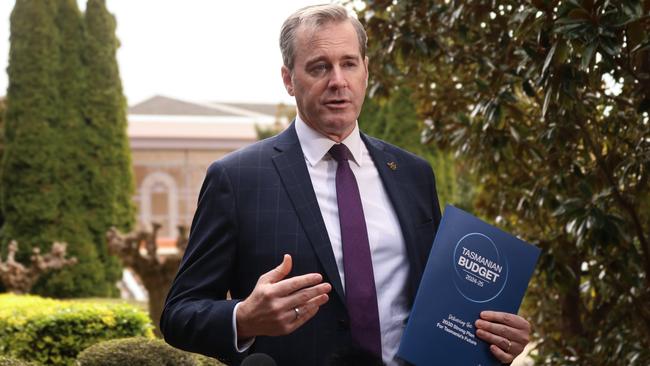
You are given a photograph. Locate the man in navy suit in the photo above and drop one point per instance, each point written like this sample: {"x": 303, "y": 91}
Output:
{"x": 272, "y": 226}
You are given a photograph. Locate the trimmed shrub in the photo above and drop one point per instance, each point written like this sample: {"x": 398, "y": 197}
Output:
{"x": 53, "y": 332}
{"x": 142, "y": 352}
{"x": 8, "y": 361}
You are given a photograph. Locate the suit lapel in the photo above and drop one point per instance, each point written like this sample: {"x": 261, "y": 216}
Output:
{"x": 291, "y": 166}
{"x": 387, "y": 167}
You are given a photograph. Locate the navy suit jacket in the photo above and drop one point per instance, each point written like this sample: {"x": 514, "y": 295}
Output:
{"x": 256, "y": 205}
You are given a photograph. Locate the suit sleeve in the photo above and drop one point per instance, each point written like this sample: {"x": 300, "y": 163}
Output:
{"x": 197, "y": 317}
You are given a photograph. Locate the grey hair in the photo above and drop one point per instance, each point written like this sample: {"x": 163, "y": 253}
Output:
{"x": 316, "y": 16}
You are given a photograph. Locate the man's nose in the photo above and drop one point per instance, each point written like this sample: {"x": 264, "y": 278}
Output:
{"x": 337, "y": 78}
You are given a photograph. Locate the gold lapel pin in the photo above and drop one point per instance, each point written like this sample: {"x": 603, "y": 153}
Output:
{"x": 392, "y": 165}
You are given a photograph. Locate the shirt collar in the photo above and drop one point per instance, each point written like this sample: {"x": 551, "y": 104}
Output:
{"x": 315, "y": 145}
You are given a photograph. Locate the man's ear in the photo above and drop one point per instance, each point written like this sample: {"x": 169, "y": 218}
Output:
{"x": 286, "y": 78}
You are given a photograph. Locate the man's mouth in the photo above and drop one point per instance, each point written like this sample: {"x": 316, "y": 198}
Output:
{"x": 337, "y": 103}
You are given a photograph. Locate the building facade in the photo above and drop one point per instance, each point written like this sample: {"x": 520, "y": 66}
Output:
{"x": 172, "y": 144}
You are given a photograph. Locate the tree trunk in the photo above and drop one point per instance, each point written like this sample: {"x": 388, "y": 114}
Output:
{"x": 157, "y": 293}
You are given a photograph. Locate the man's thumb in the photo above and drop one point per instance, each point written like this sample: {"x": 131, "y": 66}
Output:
{"x": 279, "y": 272}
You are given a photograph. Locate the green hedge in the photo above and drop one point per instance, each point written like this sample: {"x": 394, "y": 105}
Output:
{"x": 53, "y": 332}
{"x": 8, "y": 361}
{"x": 142, "y": 352}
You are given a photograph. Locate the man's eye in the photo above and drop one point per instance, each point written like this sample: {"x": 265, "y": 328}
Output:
{"x": 318, "y": 69}
{"x": 350, "y": 64}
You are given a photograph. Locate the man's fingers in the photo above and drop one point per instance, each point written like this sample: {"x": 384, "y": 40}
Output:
{"x": 293, "y": 318}
{"x": 501, "y": 355}
{"x": 290, "y": 285}
{"x": 511, "y": 320}
{"x": 317, "y": 301}
{"x": 507, "y": 334}
{"x": 500, "y": 330}
{"x": 308, "y": 310}
{"x": 307, "y": 294}
{"x": 503, "y": 349}
{"x": 509, "y": 326}
{"x": 279, "y": 272}
{"x": 507, "y": 345}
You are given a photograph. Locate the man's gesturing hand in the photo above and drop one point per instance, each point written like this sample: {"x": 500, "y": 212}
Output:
{"x": 278, "y": 306}
{"x": 507, "y": 334}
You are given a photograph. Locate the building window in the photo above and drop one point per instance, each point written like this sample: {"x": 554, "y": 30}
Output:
{"x": 159, "y": 203}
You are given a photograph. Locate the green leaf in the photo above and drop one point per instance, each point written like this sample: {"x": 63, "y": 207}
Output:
{"x": 549, "y": 58}
{"x": 547, "y": 101}
{"x": 587, "y": 55}
{"x": 570, "y": 29}
{"x": 515, "y": 134}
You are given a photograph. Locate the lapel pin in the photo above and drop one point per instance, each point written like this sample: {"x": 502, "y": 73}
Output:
{"x": 392, "y": 165}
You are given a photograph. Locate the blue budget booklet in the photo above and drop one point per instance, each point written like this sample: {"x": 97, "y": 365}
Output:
{"x": 473, "y": 266}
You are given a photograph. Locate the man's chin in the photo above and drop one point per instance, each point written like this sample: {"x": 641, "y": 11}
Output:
{"x": 339, "y": 128}
{"x": 340, "y": 124}
{"x": 346, "y": 118}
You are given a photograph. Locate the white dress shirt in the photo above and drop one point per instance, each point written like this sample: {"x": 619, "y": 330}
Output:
{"x": 387, "y": 247}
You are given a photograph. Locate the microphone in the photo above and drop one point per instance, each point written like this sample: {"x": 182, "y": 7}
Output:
{"x": 258, "y": 359}
{"x": 354, "y": 356}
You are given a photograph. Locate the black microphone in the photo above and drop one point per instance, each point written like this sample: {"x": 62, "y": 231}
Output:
{"x": 354, "y": 356}
{"x": 258, "y": 359}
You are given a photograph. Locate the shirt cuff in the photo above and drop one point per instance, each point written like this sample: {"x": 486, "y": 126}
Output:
{"x": 240, "y": 346}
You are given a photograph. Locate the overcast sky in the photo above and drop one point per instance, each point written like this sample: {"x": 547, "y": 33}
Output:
{"x": 193, "y": 49}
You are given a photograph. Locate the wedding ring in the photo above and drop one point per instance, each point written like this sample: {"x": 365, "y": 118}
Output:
{"x": 297, "y": 313}
{"x": 509, "y": 345}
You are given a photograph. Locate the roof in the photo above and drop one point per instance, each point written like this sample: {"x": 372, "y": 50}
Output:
{"x": 161, "y": 105}
{"x": 270, "y": 109}
{"x": 164, "y": 122}
{"x": 167, "y": 106}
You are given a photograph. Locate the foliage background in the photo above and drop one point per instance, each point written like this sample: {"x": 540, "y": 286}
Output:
{"x": 546, "y": 102}
{"x": 2, "y": 118}
{"x": 394, "y": 119}
{"x": 66, "y": 171}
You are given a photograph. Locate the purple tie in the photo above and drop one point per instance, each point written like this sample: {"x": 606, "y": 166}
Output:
{"x": 360, "y": 293}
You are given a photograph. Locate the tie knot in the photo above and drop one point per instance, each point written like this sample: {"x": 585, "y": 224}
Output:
{"x": 340, "y": 153}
